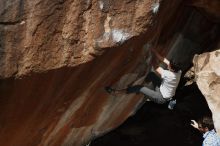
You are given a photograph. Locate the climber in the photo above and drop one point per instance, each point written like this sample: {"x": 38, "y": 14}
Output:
{"x": 205, "y": 125}
{"x": 164, "y": 82}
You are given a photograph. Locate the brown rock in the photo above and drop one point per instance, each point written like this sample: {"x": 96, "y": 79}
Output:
{"x": 41, "y": 35}
{"x": 65, "y": 52}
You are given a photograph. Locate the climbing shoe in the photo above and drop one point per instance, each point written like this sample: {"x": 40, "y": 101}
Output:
{"x": 133, "y": 89}
{"x": 109, "y": 89}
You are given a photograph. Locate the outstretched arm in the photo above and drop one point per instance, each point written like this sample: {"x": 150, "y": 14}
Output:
{"x": 163, "y": 59}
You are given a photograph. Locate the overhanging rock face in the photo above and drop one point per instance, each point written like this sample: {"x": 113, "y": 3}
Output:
{"x": 56, "y": 57}
{"x": 40, "y": 35}
{"x": 208, "y": 79}
{"x": 63, "y": 54}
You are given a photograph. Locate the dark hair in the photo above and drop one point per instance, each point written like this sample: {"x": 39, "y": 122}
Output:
{"x": 206, "y": 122}
{"x": 174, "y": 66}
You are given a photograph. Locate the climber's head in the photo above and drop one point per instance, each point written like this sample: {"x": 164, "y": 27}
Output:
{"x": 175, "y": 67}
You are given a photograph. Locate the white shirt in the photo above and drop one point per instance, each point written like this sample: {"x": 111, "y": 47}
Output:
{"x": 169, "y": 83}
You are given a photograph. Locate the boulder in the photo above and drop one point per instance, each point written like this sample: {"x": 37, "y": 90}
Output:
{"x": 208, "y": 80}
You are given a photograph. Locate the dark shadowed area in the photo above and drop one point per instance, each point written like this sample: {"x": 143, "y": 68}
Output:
{"x": 156, "y": 125}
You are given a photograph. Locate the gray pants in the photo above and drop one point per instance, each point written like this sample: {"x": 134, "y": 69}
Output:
{"x": 153, "y": 94}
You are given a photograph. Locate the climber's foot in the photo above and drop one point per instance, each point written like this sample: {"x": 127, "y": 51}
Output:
{"x": 109, "y": 89}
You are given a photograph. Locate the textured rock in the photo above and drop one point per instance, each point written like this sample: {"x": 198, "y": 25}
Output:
{"x": 208, "y": 79}
{"x": 40, "y": 35}
{"x": 58, "y": 55}
{"x": 51, "y": 104}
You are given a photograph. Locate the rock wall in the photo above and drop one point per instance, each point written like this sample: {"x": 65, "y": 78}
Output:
{"x": 208, "y": 79}
{"x": 56, "y": 57}
{"x": 37, "y": 36}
